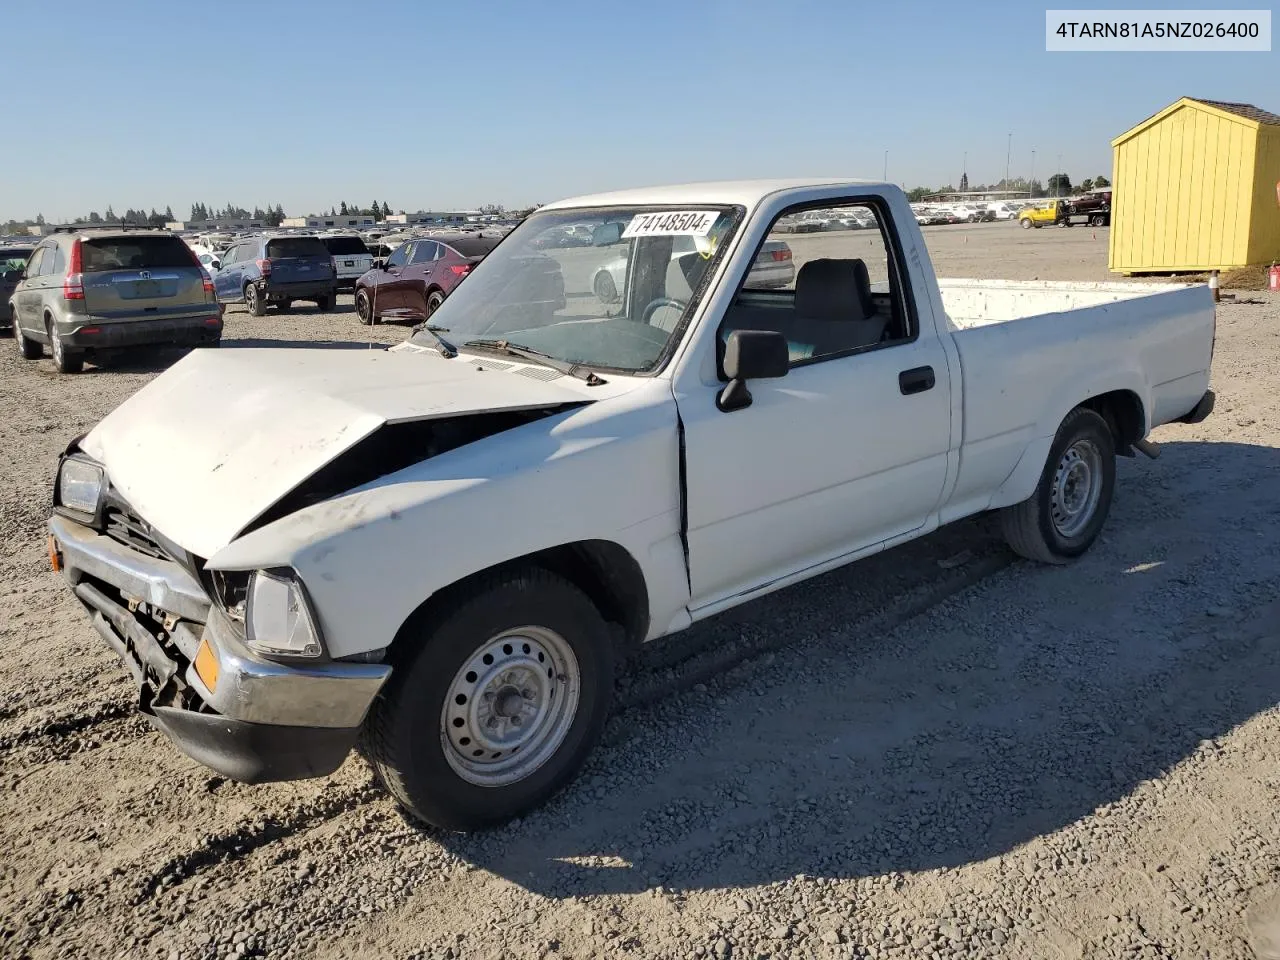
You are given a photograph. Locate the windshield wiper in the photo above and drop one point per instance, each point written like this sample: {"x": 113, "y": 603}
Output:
{"x": 537, "y": 356}
{"x": 447, "y": 349}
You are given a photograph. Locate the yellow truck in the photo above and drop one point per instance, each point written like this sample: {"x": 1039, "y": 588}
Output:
{"x": 1051, "y": 211}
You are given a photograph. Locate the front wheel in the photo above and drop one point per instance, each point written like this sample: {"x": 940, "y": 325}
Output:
{"x": 28, "y": 349}
{"x": 1066, "y": 513}
{"x": 1026, "y": 224}
{"x": 497, "y": 704}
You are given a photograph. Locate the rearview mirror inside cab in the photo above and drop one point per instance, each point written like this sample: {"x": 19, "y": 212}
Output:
{"x": 751, "y": 355}
{"x": 606, "y": 234}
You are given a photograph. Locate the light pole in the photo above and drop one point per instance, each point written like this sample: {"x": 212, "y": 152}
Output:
{"x": 886, "y": 167}
{"x": 964, "y": 167}
{"x": 1058, "y": 186}
{"x": 1030, "y": 182}
{"x": 1007, "y": 154}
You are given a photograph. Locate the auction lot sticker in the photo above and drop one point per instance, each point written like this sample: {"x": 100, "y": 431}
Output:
{"x": 671, "y": 223}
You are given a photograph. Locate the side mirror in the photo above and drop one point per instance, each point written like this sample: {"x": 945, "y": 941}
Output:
{"x": 751, "y": 355}
{"x": 606, "y": 234}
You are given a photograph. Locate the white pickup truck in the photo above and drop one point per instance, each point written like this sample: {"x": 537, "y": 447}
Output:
{"x": 441, "y": 550}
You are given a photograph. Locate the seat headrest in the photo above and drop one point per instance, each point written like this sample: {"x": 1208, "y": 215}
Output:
{"x": 829, "y": 289}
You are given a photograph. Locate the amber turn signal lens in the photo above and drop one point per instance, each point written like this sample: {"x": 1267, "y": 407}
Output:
{"x": 55, "y": 558}
{"x": 207, "y": 666}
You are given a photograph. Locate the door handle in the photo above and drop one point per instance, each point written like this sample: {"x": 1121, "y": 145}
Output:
{"x": 916, "y": 380}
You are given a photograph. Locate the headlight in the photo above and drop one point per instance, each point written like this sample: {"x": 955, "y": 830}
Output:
{"x": 80, "y": 485}
{"x": 278, "y": 619}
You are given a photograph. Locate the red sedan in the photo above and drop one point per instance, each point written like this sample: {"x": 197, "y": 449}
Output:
{"x": 417, "y": 277}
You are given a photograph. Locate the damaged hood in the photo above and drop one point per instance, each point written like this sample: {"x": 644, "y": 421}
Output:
{"x": 209, "y": 445}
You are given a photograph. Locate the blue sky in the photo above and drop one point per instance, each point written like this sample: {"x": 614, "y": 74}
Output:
{"x": 427, "y": 104}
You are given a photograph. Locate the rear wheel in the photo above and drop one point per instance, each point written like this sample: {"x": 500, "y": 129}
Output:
{"x": 253, "y": 300}
{"x": 501, "y": 701}
{"x": 1066, "y": 513}
{"x": 434, "y": 299}
{"x": 65, "y": 359}
{"x": 364, "y": 309}
{"x": 28, "y": 349}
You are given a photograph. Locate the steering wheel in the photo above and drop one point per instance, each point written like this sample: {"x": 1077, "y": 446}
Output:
{"x": 656, "y": 305}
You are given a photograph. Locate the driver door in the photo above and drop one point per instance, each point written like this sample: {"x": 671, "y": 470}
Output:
{"x": 388, "y": 294}
{"x": 848, "y": 450}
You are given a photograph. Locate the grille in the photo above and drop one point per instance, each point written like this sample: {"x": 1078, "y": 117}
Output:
{"x": 124, "y": 527}
{"x": 491, "y": 364}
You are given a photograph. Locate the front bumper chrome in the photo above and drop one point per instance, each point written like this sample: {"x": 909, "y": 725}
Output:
{"x": 263, "y": 720}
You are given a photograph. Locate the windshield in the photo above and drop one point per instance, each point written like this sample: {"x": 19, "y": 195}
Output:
{"x": 602, "y": 287}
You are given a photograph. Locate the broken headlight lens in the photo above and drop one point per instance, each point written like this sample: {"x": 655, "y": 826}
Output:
{"x": 278, "y": 619}
{"x": 80, "y": 485}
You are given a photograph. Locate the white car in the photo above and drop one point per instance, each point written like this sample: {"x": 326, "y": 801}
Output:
{"x": 773, "y": 267}
{"x": 446, "y": 547}
{"x": 351, "y": 258}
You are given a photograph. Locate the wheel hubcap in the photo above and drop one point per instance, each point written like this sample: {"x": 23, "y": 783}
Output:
{"x": 1077, "y": 488}
{"x": 510, "y": 706}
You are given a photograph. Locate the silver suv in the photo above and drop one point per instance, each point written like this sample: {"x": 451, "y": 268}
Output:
{"x": 87, "y": 292}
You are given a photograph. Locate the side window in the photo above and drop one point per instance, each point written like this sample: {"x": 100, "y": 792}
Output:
{"x": 48, "y": 261}
{"x": 59, "y": 261}
{"x": 829, "y": 280}
{"x": 231, "y": 255}
{"x": 400, "y": 256}
{"x": 424, "y": 251}
{"x": 33, "y": 265}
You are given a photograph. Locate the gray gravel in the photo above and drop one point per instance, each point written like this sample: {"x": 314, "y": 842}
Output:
{"x": 938, "y": 752}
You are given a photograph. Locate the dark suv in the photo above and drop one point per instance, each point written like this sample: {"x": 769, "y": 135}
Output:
{"x": 86, "y": 292}
{"x": 277, "y": 270}
{"x": 13, "y": 259}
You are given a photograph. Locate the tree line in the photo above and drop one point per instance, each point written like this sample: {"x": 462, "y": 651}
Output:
{"x": 1059, "y": 185}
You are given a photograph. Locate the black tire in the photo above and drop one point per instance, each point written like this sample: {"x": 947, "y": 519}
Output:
{"x": 253, "y": 300}
{"x": 364, "y": 308}
{"x": 65, "y": 360}
{"x": 1030, "y": 527}
{"x": 1026, "y": 223}
{"x": 434, "y": 299}
{"x": 404, "y": 736}
{"x": 283, "y": 305}
{"x": 28, "y": 349}
{"x": 606, "y": 290}
{"x": 324, "y": 303}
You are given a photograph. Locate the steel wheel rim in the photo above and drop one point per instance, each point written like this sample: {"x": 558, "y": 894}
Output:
{"x": 1077, "y": 488}
{"x": 510, "y": 706}
{"x": 251, "y": 297}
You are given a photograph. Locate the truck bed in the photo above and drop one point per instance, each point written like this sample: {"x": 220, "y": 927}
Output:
{"x": 1031, "y": 350}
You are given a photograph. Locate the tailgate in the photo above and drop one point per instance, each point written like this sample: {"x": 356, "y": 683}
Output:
{"x": 299, "y": 260}
{"x": 127, "y": 277}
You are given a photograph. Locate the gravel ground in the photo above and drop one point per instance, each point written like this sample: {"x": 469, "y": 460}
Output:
{"x": 938, "y": 752}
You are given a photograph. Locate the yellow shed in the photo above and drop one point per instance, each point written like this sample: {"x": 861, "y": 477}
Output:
{"x": 1196, "y": 187}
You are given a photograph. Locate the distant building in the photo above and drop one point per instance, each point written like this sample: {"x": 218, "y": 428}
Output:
{"x": 40, "y": 229}
{"x": 213, "y": 224}
{"x": 324, "y": 221}
{"x": 434, "y": 216}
